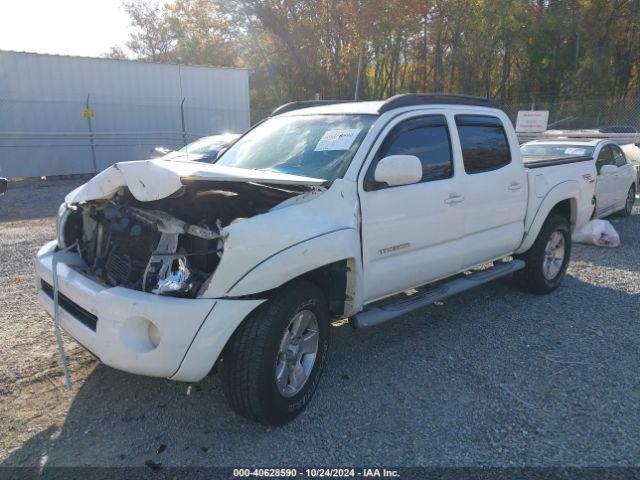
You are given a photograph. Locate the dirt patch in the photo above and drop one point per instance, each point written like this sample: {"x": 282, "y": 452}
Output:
{"x": 491, "y": 377}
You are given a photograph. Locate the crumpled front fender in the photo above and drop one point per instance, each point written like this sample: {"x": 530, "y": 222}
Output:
{"x": 299, "y": 259}
{"x": 265, "y": 251}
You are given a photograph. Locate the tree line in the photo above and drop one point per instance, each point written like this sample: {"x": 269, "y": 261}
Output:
{"x": 518, "y": 51}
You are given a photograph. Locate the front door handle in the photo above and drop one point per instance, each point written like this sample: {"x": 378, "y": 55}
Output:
{"x": 515, "y": 186}
{"x": 453, "y": 199}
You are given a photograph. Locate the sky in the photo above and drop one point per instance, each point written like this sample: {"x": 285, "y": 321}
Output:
{"x": 66, "y": 27}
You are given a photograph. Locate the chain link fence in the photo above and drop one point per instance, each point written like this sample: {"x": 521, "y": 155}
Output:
{"x": 588, "y": 113}
{"x": 63, "y": 137}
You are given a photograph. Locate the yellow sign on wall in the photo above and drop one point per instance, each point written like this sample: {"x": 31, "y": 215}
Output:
{"x": 89, "y": 113}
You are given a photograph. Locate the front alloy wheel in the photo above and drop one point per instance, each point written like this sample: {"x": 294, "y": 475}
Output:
{"x": 297, "y": 353}
{"x": 272, "y": 364}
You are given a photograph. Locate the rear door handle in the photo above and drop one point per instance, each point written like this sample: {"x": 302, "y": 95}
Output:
{"x": 515, "y": 186}
{"x": 453, "y": 199}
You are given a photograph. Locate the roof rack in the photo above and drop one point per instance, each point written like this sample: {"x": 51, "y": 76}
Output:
{"x": 289, "y": 107}
{"x": 404, "y": 100}
{"x": 411, "y": 99}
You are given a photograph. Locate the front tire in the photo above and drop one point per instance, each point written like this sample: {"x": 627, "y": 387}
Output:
{"x": 272, "y": 364}
{"x": 548, "y": 258}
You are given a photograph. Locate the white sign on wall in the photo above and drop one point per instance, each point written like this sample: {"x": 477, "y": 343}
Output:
{"x": 532, "y": 121}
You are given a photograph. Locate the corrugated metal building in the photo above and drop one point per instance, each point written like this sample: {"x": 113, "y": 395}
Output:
{"x": 67, "y": 115}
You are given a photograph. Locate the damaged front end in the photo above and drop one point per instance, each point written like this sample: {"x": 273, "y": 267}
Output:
{"x": 170, "y": 246}
{"x": 146, "y": 250}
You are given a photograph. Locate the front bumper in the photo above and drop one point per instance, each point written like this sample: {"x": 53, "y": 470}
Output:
{"x": 113, "y": 323}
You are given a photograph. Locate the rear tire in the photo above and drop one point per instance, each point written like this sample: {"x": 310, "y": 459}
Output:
{"x": 269, "y": 371}
{"x": 595, "y": 207}
{"x": 628, "y": 205}
{"x": 548, "y": 258}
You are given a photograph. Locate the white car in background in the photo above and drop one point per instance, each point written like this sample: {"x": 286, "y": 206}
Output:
{"x": 205, "y": 149}
{"x": 632, "y": 152}
{"x": 617, "y": 178}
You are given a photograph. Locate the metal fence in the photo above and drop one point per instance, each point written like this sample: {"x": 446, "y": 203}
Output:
{"x": 72, "y": 115}
{"x": 41, "y": 138}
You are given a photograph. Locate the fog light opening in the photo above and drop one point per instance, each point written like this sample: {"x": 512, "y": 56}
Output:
{"x": 154, "y": 334}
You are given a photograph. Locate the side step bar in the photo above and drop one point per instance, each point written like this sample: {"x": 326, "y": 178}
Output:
{"x": 389, "y": 311}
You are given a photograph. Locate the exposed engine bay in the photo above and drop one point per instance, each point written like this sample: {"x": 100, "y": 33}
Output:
{"x": 169, "y": 246}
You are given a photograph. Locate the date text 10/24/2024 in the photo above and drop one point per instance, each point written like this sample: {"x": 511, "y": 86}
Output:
{"x": 316, "y": 472}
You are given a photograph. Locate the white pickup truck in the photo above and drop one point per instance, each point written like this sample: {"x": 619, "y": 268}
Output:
{"x": 363, "y": 211}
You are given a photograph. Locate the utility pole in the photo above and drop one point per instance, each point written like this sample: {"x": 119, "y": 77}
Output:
{"x": 88, "y": 112}
{"x": 184, "y": 127}
{"x": 356, "y": 95}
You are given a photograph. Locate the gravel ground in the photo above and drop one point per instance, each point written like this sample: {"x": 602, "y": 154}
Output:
{"x": 492, "y": 377}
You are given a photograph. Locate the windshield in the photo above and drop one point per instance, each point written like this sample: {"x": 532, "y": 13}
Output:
{"x": 537, "y": 150}
{"x": 318, "y": 146}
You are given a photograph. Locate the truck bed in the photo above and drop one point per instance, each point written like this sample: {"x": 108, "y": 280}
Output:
{"x": 551, "y": 160}
{"x": 546, "y": 174}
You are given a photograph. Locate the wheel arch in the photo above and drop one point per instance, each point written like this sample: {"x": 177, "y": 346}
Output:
{"x": 562, "y": 200}
{"x": 567, "y": 208}
{"x": 331, "y": 261}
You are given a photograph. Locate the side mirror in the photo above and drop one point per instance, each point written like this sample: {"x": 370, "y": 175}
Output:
{"x": 397, "y": 170}
{"x": 158, "y": 152}
{"x": 608, "y": 169}
{"x": 4, "y": 184}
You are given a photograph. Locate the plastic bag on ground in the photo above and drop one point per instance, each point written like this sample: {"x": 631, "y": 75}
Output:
{"x": 597, "y": 232}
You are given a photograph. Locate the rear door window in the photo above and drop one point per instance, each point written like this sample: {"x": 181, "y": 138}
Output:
{"x": 484, "y": 143}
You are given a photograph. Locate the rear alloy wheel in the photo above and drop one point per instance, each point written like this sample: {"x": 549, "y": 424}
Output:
{"x": 553, "y": 256}
{"x": 628, "y": 204}
{"x": 547, "y": 260}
